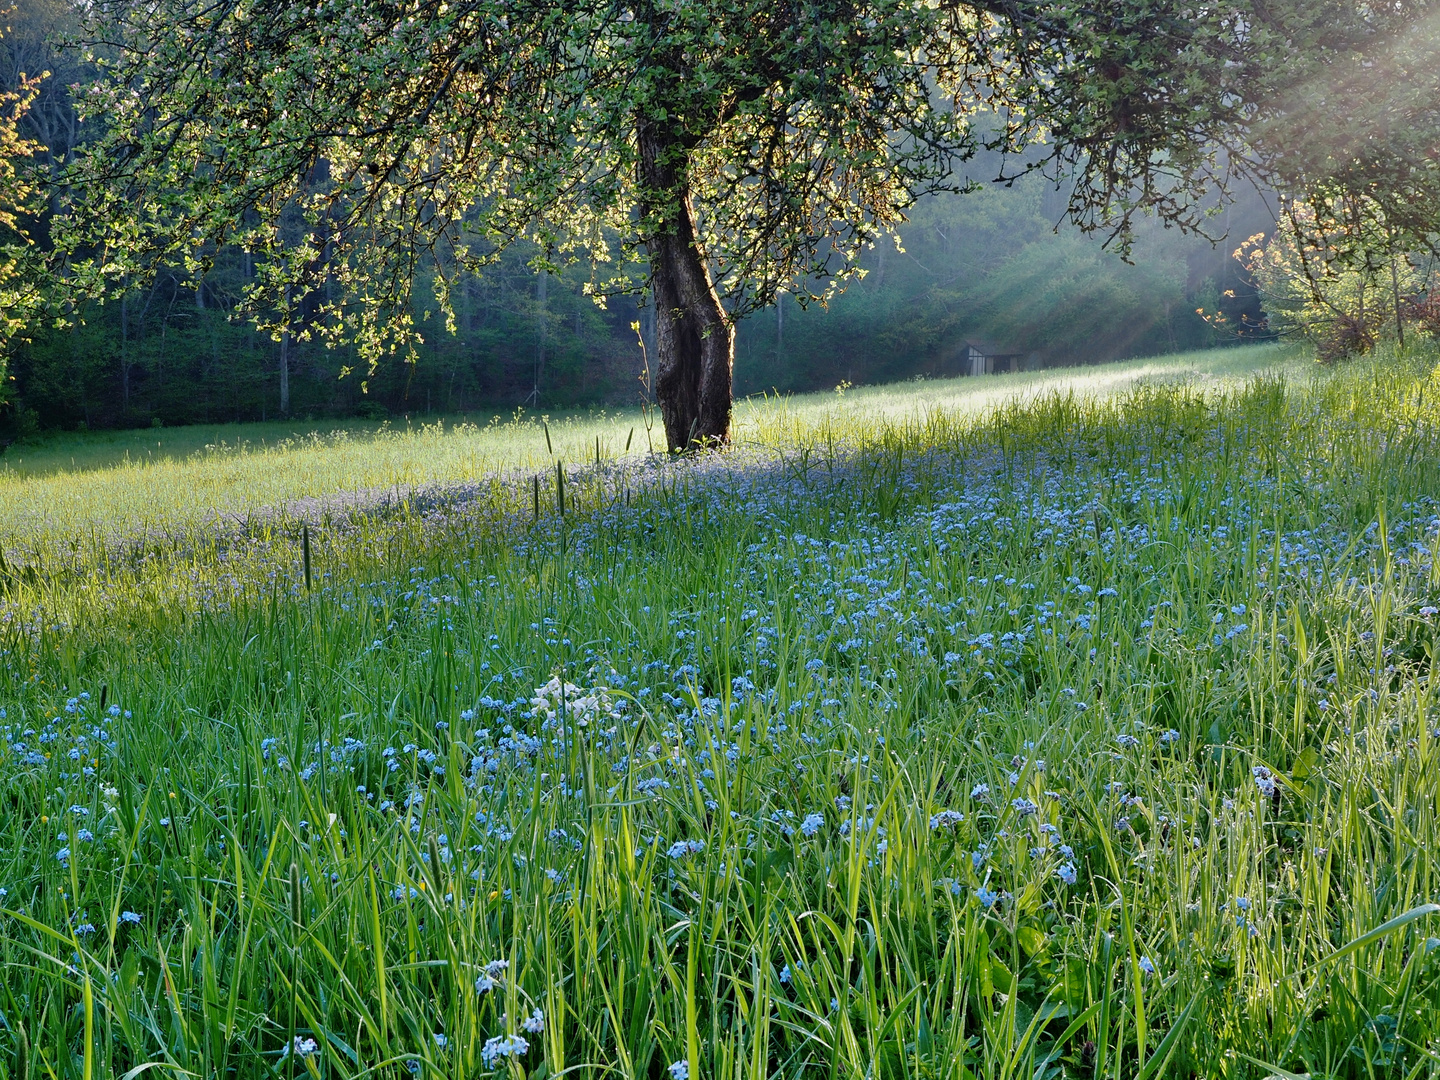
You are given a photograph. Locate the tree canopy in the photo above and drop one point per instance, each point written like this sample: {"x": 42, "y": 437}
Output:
{"x": 713, "y": 152}
{"x": 1349, "y": 109}
{"x": 18, "y": 292}
{"x": 1348, "y": 135}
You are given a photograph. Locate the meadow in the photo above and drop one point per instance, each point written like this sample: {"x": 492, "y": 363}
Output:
{"x": 56, "y": 489}
{"x": 1071, "y": 724}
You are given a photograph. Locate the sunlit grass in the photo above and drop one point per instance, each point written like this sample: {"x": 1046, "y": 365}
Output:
{"x": 77, "y": 486}
{"x": 1212, "y": 369}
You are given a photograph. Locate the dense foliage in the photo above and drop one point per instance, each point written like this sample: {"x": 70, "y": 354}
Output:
{"x": 18, "y": 294}
{"x": 178, "y": 354}
{"x": 1348, "y": 135}
{"x": 1347, "y": 125}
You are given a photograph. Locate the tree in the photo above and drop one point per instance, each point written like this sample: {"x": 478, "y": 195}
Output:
{"x": 1348, "y": 133}
{"x": 713, "y": 152}
{"x": 1335, "y": 276}
{"x": 33, "y": 43}
{"x": 18, "y": 294}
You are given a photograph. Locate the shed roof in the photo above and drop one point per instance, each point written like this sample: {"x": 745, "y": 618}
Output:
{"x": 987, "y": 347}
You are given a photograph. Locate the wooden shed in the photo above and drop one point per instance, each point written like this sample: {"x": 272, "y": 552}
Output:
{"x": 981, "y": 357}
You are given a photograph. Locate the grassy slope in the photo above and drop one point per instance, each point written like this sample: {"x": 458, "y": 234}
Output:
{"x": 84, "y": 452}
{"x": 108, "y": 482}
{"x": 1102, "y": 721}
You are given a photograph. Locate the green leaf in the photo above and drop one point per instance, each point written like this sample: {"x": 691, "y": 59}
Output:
{"x": 1031, "y": 939}
{"x": 1305, "y": 763}
{"x": 1074, "y": 983}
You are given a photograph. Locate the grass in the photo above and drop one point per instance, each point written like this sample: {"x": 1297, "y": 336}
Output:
{"x": 119, "y": 483}
{"x": 1085, "y": 735}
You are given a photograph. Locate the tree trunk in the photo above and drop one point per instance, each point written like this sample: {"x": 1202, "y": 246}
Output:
{"x": 125, "y": 349}
{"x": 542, "y": 296}
{"x": 285, "y": 372}
{"x": 780, "y": 326}
{"x": 285, "y": 359}
{"x": 1395, "y": 285}
{"x": 694, "y": 341}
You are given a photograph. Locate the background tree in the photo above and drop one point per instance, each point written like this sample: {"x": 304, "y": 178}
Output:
{"x": 1347, "y": 132}
{"x": 1337, "y": 277}
{"x": 19, "y": 295}
{"x": 35, "y": 42}
{"x": 730, "y": 149}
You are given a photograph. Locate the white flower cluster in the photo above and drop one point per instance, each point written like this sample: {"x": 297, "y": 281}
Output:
{"x": 564, "y": 701}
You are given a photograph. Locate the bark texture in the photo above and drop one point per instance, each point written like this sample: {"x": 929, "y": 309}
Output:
{"x": 694, "y": 341}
